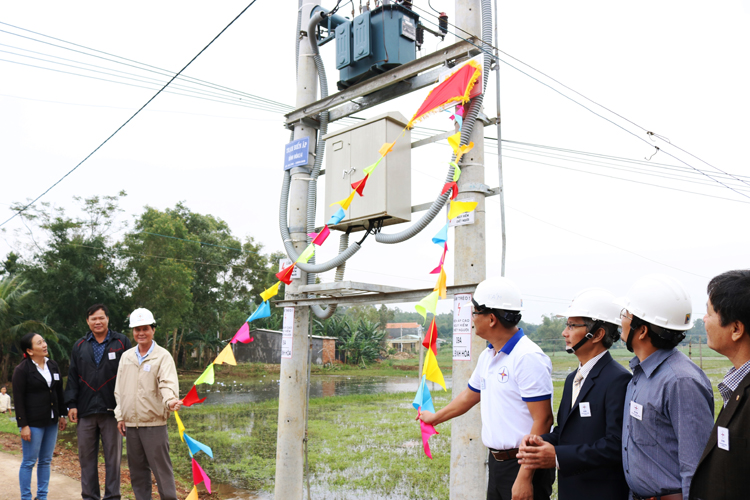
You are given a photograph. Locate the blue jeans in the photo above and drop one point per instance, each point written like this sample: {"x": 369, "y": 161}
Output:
{"x": 40, "y": 448}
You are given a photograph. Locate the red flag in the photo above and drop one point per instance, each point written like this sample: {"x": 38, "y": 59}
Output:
{"x": 359, "y": 186}
{"x": 442, "y": 260}
{"x": 200, "y": 476}
{"x": 192, "y": 398}
{"x": 320, "y": 238}
{"x": 455, "y": 89}
{"x": 430, "y": 339}
{"x": 450, "y": 186}
{"x": 285, "y": 275}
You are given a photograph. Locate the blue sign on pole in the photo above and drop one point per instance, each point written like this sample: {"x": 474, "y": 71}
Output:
{"x": 296, "y": 153}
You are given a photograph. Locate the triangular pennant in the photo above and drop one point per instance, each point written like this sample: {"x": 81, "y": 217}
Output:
{"x": 207, "y": 377}
{"x": 226, "y": 357}
{"x": 242, "y": 333}
{"x": 442, "y": 261}
{"x": 200, "y": 476}
{"x": 428, "y": 303}
{"x": 337, "y": 217}
{"x": 193, "y": 494}
{"x": 423, "y": 399}
{"x": 196, "y": 446}
{"x": 442, "y": 236}
{"x": 271, "y": 291}
{"x": 285, "y": 275}
{"x": 346, "y": 201}
{"x": 431, "y": 370}
{"x": 456, "y": 171}
{"x": 463, "y": 150}
{"x": 440, "y": 286}
{"x": 320, "y": 238}
{"x": 263, "y": 311}
{"x": 430, "y": 338}
{"x": 460, "y": 121}
{"x": 192, "y": 398}
{"x": 359, "y": 186}
{"x": 460, "y": 207}
{"x": 304, "y": 256}
{"x": 386, "y": 148}
{"x": 452, "y": 187}
{"x": 455, "y": 141}
{"x": 456, "y": 88}
{"x": 369, "y": 170}
{"x": 180, "y": 425}
{"x": 427, "y": 432}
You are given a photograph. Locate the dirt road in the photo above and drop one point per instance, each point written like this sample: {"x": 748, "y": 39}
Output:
{"x": 60, "y": 487}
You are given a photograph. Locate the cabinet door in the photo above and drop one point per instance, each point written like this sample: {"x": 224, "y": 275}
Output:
{"x": 369, "y": 140}
{"x": 338, "y": 185}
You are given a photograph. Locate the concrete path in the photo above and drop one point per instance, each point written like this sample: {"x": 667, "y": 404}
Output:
{"x": 60, "y": 487}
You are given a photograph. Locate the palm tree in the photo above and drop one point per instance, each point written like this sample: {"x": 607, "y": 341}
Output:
{"x": 15, "y": 306}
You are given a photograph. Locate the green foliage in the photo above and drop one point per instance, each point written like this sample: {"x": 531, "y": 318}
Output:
{"x": 360, "y": 340}
{"x": 548, "y": 335}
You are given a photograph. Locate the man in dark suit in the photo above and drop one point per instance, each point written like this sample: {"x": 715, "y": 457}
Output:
{"x": 585, "y": 446}
{"x": 724, "y": 467}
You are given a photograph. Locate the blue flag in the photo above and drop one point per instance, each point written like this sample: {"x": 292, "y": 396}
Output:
{"x": 423, "y": 397}
{"x": 263, "y": 311}
{"x": 337, "y": 217}
{"x": 196, "y": 446}
{"x": 441, "y": 237}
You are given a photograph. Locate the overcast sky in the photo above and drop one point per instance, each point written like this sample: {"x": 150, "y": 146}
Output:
{"x": 678, "y": 69}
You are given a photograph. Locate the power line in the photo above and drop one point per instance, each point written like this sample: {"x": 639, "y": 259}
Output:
{"x": 129, "y": 119}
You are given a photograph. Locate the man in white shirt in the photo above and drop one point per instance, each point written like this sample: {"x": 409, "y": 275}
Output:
{"x": 513, "y": 381}
{"x": 4, "y": 400}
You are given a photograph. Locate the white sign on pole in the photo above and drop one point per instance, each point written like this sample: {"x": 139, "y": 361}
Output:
{"x": 462, "y": 327}
{"x": 286, "y": 333}
{"x": 464, "y": 219}
{"x": 284, "y": 263}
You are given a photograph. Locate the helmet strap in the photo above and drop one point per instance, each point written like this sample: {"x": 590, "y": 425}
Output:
{"x": 589, "y": 335}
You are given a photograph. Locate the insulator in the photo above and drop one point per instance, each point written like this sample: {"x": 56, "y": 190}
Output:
{"x": 443, "y": 22}
{"x": 420, "y": 35}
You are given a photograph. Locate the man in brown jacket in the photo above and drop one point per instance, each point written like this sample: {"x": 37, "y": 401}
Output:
{"x": 146, "y": 391}
{"x": 724, "y": 468}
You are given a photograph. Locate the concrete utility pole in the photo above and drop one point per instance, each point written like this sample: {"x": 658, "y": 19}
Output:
{"x": 293, "y": 377}
{"x": 468, "y": 454}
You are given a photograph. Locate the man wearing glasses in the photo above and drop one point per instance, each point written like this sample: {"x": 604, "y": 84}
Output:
{"x": 586, "y": 446}
{"x": 513, "y": 381}
{"x": 669, "y": 404}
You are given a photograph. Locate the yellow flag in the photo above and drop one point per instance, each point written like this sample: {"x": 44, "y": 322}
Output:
{"x": 428, "y": 303}
{"x": 226, "y": 356}
{"x": 455, "y": 141}
{"x": 369, "y": 169}
{"x": 441, "y": 283}
{"x": 304, "y": 256}
{"x": 180, "y": 426}
{"x": 431, "y": 370}
{"x": 386, "y": 148}
{"x": 193, "y": 494}
{"x": 272, "y": 291}
{"x": 459, "y": 207}
{"x": 207, "y": 377}
{"x": 346, "y": 201}
{"x": 456, "y": 171}
{"x": 463, "y": 149}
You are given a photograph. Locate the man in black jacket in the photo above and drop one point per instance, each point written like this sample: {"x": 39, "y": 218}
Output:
{"x": 585, "y": 446}
{"x": 90, "y": 397}
{"x": 724, "y": 467}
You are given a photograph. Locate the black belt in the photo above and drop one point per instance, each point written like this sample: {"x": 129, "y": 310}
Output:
{"x": 503, "y": 455}
{"x": 674, "y": 495}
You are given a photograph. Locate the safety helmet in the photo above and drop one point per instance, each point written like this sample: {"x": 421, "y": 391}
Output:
{"x": 594, "y": 303}
{"x": 498, "y": 293}
{"x": 660, "y": 300}
{"x": 140, "y": 317}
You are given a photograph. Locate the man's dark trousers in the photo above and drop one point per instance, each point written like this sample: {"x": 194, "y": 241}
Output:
{"x": 503, "y": 475}
{"x": 89, "y": 430}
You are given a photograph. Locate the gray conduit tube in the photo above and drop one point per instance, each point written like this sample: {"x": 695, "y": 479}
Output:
{"x": 468, "y": 126}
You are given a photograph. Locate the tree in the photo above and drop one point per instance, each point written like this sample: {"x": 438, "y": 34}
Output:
{"x": 549, "y": 333}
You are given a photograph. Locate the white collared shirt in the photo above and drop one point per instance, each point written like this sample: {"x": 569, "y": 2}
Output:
{"x": 45, "y": 372}
{"x": 584, "y": 370}
{"x": 138, "y": 352}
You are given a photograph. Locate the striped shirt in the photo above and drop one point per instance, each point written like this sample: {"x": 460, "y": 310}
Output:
{"x": 731, "y": 380}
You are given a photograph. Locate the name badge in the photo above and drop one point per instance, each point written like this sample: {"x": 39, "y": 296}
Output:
{"x": 636, "y": 410}
{"x": 723, "y": 435}
{"x": 146, "y": 368}
{"x": 56, "y": 376}
{"x": 585, "y": 409}
{"x": 482, "y": 384}
{"x": 112, "y": 355}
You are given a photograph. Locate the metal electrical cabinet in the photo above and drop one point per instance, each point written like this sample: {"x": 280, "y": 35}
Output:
{"x": 387, "y": 194}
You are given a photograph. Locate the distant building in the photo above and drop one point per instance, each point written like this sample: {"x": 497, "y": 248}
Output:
{"x": 398, "y": 330}
{"x": 266, "y": 348}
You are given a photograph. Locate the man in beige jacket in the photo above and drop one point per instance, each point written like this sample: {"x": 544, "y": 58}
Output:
{"x": 146, "y": 390}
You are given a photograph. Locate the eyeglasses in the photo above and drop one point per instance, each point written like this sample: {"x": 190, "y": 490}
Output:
{"x": 625, "y": 314}
{"x": 570, "y": 326}
{"x": 477, "y": 313}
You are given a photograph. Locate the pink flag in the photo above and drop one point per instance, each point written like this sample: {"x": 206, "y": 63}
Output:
{"x": 242, "y": 335}
{"x": 442, "y": 261}
{"x": 320, "y": 238}
{"x": 200, "y": 476}
{"x": 427, "y": 431}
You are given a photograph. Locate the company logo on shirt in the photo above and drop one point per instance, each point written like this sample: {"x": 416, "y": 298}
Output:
{"x": 503, "y": 375}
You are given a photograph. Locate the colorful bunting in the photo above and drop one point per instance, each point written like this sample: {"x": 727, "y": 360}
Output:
{"x": 427, "y": 432}
{"x": 193, "y": 494}
{"x": 180, "y": 426}
{"x": 192, "y": 398}
{"x": 359, "y": 186}
{"x": 459, "y": 119}
{"x": 285, "y": 275}
{"x": 431, "y": 370}
{"x": 263, "y": 311}
{"x": 304, "y": 257}
{"x": 345, "y": 202}
{"x": 226, "y": 356}
{"x": 196, "y": 446}
{"x": 200, "y": 476}
{"x": 456, "y": 171}
{"x": 456, "y": 88}
{"x": 430, "y": 338}
{"x": 320, "y": 238}
{"x": 442, "y": 261}
{"x": 338, "y": 216}
{"x": 455, "y": 141}
{"x": 427, "y": 304}
{"x": 449, "y": 186}
{"x": 423, "y": 399}
{"x": 369, "y": 170}
{"x": 272, "y": 291}
{"x": 442, "y": 284}
{"x": 386, "y": 148}
{"x": 207, "y": 377}
{"x": 442, "y": 236}
{"x": 460, "y": 207}
{"x": 464, "y": 149}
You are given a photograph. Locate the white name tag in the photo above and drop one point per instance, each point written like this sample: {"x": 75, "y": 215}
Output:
{"x": 723, "y": 435}
{"x": 146, "y": 368}
{"x": 56, "y": 376}
{"x": 112, "y": 355}
{"x": 585, "y": 409}
{"x": 636, "y": 410}
{"x": 482, "y": 384}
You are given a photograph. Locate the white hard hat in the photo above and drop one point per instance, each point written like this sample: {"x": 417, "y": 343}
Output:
{"x": 594, "y": 303}
{"x": 140, "y": 317}
{"x": 498, "y": 293}
{"x": 660, "y": 300}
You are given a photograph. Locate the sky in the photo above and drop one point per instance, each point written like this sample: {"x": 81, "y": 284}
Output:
{"x": 677, "y": 69}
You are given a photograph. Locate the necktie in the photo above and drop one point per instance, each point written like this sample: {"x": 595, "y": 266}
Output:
{"x": 576, "y": 387}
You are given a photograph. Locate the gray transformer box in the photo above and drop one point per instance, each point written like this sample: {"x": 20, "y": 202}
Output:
{"x": 387, "y": 194}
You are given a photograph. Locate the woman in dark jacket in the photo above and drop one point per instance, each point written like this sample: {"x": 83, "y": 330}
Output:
{"x": 38, "y": 391}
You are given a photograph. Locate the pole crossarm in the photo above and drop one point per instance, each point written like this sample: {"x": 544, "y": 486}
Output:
{"x": 411, "y": 69}
{"x": 374, "y": 298}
